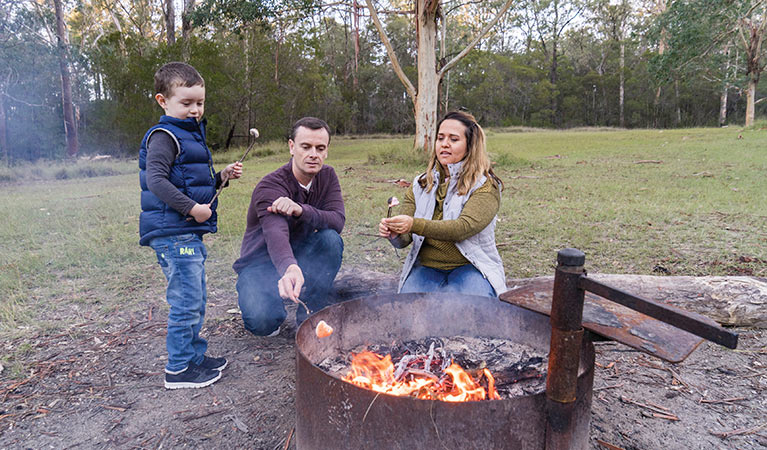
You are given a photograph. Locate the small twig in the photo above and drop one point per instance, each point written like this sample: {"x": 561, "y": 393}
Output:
{"x": 115, "y": 408}
{"x": 162, "y": 440}
{"x": 726, "y": 434}
{"x": 609, "y": 387}
{"x": 728, "y": 401}
{"x": 656, "y": 408}
{"x": 290, "y": 437}
{"x": 665, "y": 416}
{"x": 648, "y": 161}
{"x": 608, "y": 445}
{"x": 209, "y": 413}
{"x": 370, "y": 406}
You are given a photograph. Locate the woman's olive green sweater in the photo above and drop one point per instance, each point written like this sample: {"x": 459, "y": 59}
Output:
{"x": 439, "y": 250}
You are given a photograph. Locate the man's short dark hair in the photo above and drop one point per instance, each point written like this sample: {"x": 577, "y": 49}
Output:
{"x": 175, "y": 74}
{"x": 311, "y": 123}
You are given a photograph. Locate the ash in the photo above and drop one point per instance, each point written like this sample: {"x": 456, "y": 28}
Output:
{"x": 518, "y": 369}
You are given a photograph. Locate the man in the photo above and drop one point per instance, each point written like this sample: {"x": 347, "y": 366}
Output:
{"x": 292, "y": 239}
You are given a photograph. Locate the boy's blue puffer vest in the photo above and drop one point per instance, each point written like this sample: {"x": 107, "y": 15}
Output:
{"x": 192, "y": 173}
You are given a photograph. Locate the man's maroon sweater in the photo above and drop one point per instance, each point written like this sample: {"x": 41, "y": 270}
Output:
{"x": 268, "y": 236}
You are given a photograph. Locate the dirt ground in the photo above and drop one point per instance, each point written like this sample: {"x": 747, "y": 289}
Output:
{"x": 101, "y": 387}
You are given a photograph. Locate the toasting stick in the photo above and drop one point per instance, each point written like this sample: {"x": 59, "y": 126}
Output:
{"x": 254, "y": 133}
{"x": 392, "y": 203}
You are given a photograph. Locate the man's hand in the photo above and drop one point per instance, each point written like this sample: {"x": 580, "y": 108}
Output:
{"x": 200, "y": 212}
{"x": 232, "y": 171}
{"x": 286, "y": 207}
{"x": 291, "y": 283}
{"x": 396, "y": 225}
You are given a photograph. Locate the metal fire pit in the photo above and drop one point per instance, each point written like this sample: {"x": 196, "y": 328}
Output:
{"x": 334, "y": 414}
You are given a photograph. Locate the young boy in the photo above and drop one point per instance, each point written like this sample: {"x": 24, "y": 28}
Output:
{"x": 177, "y": 184}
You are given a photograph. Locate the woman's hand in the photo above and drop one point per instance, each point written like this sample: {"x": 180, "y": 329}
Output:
{"x": 396, "y": 225}
{"x": 383, "y": 230}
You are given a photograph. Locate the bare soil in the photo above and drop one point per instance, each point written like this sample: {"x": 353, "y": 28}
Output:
{"x": 99, "y": 386}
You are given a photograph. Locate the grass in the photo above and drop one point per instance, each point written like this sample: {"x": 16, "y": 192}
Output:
{"x": 65, "y": 170}
{"x": 684, "y": 202}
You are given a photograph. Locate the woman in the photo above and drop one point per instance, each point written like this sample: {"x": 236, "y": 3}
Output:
{"x": 449, "y": 215}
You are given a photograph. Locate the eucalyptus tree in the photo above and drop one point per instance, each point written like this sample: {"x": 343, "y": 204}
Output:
{"x": 425, "y": 94}
{"x": 711, "y": 37}
{"x": 545, "y": 22}
{"x": 70, "y": 125}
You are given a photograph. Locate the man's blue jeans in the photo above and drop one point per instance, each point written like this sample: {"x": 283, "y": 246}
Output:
{"x": 182, "y": 259}
{"x": 466, "y": 279}
{"x": 319, "y": 257}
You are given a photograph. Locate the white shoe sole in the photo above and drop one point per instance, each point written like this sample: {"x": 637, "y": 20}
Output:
{"x": 190, "y": 385}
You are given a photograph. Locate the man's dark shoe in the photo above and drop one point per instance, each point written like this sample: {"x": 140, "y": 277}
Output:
{"x": 211, "y": 363}
{"x": 193, "y": 377}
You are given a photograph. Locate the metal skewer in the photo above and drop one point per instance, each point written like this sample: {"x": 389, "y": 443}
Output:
{"x": 304, "y": 305}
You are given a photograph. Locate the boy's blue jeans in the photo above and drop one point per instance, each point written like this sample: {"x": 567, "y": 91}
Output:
{"x": 466, "y": 279}
{"x": 182, "y": 259}
{"x": 319, "y": 257}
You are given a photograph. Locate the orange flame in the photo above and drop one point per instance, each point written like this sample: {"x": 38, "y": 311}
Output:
{"x": 375, "y": 372}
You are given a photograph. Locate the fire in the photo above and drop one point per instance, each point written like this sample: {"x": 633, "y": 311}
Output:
{"x": 375, "y": 372}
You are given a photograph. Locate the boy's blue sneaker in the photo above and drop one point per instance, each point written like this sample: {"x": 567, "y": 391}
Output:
{"x": 211, "y": 363}
{"x": 193, "y": 377}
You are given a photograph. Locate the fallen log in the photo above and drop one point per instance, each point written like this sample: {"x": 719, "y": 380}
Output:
{"x": 736, "y": 301}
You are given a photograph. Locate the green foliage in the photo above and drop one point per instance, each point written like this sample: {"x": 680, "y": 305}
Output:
{"x": 268, "y": 63}
{"x": 236, "y": 14}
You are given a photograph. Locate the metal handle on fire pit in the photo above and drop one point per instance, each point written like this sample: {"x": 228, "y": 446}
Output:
{"x": 672, "y": 316}
{"x": 570, "y": 285}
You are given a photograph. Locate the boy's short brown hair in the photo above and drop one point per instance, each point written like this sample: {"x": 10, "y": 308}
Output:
{"x": 175, "y": 74}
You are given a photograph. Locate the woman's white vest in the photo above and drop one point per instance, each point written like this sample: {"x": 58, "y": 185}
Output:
{"x": 479, "y": 249}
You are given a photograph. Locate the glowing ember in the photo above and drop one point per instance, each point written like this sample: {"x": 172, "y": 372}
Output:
{"x": 375, "y": 372}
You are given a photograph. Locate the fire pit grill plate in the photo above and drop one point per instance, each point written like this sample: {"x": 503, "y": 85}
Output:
{"x": 613, "y": 321}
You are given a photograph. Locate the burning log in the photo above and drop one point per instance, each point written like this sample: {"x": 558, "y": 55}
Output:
{"x": 456, "y": 369}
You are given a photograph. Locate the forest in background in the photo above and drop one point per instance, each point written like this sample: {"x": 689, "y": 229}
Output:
{"x": 546, "y": 63}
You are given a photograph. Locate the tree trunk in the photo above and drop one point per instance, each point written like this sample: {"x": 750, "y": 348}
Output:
{"x": 678, "y": 107}
{"x": 622, "y": 83}
{"x": 70, "y": 126}
{"x": 660, "y": 9}
{"x": 426, "y": 100}
{"x": 426, "y": 96}
{"x": 170, "y": 22}
{"x": 723, "y": 107}
{"x": 553, "y": 79}
{"x": 4, "y": 129}
{"x": 750, "y": 94}
{"x": 186, "y": 27}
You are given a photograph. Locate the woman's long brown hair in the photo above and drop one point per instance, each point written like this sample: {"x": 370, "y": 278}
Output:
{"x": 476, "y": 162}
